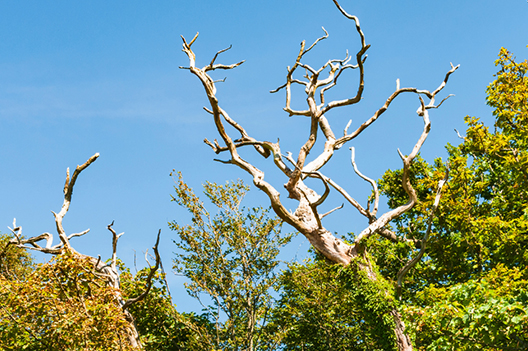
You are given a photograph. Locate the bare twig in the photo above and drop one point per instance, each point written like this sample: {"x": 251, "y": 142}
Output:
{"x": 369, "y": 180}
{"x": 150, "y": 277}
{"x": 115, "y": 238}
{"x": 329, "y": 212}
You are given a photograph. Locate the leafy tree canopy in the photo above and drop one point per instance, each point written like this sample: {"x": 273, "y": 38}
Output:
{"x": 230, "y": 260}
{"x": 467, "y": 292}
{"x": 61, "y": 305}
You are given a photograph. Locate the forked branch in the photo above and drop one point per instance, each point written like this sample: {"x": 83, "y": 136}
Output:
{"x": 65, "y": 239}
{"x": 305, "y": 218}
{"x": 406, "y": 182}
{"x": 219, "y": 115}
{"x": 346, "y": 138}
{"x": 115, "y": 238}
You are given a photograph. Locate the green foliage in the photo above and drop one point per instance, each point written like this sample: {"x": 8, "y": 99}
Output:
{"x": 469, "y": 291}
{"x": 490, "y": 313}
{"x": 15, "y": 263}
{"x": 61, "y": 305}
{"x": 230, "y": 259}
{"x": 159, "y": 325}
{"x": 324, "y": 306}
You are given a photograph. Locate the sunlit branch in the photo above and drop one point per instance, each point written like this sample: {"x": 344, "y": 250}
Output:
{"x": 405, "y": 269}
{"x": 369, "y": 180}
{"x": 218, "y": 113}
{"x": 406, "y": 183}
{"x": 65, "y": 239}
{"x": 150, "y": 277}
{"x": 331, "y": 211}
{"x": 305, "y": 217}
{"x": 115, "y": 238}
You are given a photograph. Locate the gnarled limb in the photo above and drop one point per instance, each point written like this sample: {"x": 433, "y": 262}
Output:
{"x": 150, "y": 276}
{"x": 316, "y": 82}
{"x": 305, "y": 218}
{"x": 423, "y": 244}
{"x": 107, "y": 272}
{"x": 217, "y": 112}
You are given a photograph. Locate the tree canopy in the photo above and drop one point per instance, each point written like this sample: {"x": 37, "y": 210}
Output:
{"x": 444, "y": 268}
{"x": 231, "y": 262}
{"x": 467, "y": 292}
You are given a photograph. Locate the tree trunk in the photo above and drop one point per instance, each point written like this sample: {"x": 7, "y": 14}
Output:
{"x": 403, "y": 340}
{"x": 130, "y": 334}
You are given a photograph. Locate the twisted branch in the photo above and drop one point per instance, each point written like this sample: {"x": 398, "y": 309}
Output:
{"x": 406, "y": 183}
{"x": 306, "y": 218}
{"x": 150, "y": 276}
{"x": 405, "y": 269}
{"x": 65, "y": 239}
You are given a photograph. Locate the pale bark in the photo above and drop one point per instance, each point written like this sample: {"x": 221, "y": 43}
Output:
{"x": 107, "y": 272}
{"x": 316, "y": 82}
{"x": 423, "y": 244}
{"x": 402, "y": 339}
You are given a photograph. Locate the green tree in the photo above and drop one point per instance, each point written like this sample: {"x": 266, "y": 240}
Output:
{"x": 62, "y": 305}
{"x": 488, "y": 313}
{"x": 324, "y": 306}
{"x": 15, "y": 263}
{"x": 230, "y": 260}
{"x": 160, "y": 326}
{"x": 467, "y": 293}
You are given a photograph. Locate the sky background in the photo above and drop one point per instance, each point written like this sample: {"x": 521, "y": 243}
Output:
{"x": 78, "y": 78}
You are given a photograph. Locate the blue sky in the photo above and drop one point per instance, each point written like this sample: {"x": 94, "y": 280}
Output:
{"x": 78, "y": 78}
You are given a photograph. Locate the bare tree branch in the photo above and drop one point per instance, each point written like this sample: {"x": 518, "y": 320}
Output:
{"x": 68, "y": 192}
{"x": 391, "y": 98}
{"x": 65, "y": 239}
{"x": 369, "y": 180}
{"x": 150, "y": 276}
{"x": 406, "y": 183}
{"x": 332, "y": 210}
{"x": 115, "y": 238}
{"x": 405, "y": 269}
{"x": 257, "y": 174}
{"x": 212, "y": 66}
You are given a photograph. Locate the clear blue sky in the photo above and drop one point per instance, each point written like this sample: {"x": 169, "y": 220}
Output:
{"x": 78, "y": 78}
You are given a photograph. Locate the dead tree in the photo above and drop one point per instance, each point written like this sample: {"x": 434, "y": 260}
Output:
{"x": 106, "y": 271}
{"x": 306, "y": 217}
